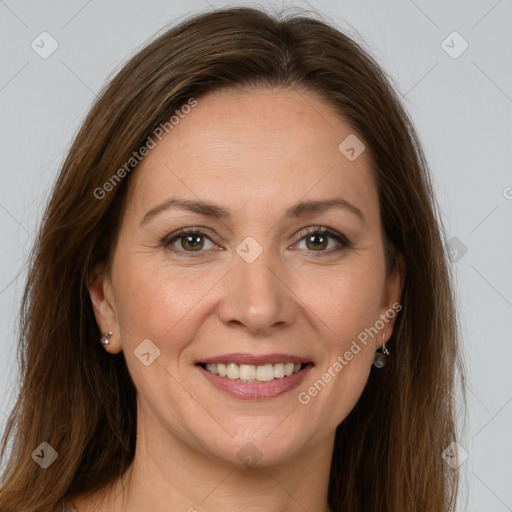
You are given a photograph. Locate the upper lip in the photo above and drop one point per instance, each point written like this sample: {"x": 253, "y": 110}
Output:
{"x": 254, "y": 359}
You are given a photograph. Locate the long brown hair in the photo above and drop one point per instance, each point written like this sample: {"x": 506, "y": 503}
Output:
{"x": 388, "y": 451}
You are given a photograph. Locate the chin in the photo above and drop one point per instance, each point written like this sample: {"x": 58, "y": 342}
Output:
{"x": 257, "y": 449}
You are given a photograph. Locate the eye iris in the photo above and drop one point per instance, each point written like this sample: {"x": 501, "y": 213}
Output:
{"x": 316, "y": 236}
{"x": 192, "y": 240}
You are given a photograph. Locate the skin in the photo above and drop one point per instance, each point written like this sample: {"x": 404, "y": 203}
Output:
{"x": 255, "y": 153}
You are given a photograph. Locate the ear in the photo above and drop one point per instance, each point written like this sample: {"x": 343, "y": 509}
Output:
{"x": 391, "y": 298}
{"x": 103, "y": 304}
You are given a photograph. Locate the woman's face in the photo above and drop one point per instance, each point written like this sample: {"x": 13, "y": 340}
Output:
{"x": 257, "y": 290}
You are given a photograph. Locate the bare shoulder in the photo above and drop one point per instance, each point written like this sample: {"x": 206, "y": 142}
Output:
{"x": 102, "y": 500}
{"x": 106, "y": 499}
{"x": 84, "y": 503}
{"x": 69, "y": 507}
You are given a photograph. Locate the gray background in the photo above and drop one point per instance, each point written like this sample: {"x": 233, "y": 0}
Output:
{"x": 461, "y": 106}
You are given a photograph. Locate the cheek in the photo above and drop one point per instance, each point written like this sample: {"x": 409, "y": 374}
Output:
{"x": 149, "y": 299}
{"x": 163, "y": 303}
{"x": 346, "y": 302}
{"x": 160, "y": 304}
{"x": 346, "y": 307}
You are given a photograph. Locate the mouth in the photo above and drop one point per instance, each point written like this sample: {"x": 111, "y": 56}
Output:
{"x": 253, "y": 373}
{"x": 255, "y": 377}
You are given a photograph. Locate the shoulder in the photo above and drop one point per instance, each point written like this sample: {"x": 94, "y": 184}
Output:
{"x": 68, "y": 507}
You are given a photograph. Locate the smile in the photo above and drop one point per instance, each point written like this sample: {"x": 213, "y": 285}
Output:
{"x": 253, "y": 373}
{"x": 251, "y": 377}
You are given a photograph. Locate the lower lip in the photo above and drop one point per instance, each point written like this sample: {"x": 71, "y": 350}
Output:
{"x": 256, "y": 390}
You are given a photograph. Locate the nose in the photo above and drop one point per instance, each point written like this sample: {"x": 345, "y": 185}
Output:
{"x": 259, "y": 296}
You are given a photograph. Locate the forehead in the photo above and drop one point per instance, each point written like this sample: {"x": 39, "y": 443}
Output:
{"x": 244, "y": 149}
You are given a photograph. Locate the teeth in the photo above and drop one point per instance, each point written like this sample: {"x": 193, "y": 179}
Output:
{"x": 233, "y": 371}
{"x": 247, "y": 372}
{"x": 252, "y": 373}
{"x": 279, "y": 370}
{"x": 265, "y": 372}
{"x": 214, "y": 368}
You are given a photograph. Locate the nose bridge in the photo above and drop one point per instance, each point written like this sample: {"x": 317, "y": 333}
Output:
{"x": 256, "y": 297}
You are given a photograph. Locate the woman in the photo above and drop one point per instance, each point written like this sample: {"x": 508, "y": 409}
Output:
{"x": 239, "y": 297}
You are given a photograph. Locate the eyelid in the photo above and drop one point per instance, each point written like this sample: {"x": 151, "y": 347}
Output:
{"x": 342, "y": 240}
{"x": 167, "y": 241}
{"x": 322, "y": 230}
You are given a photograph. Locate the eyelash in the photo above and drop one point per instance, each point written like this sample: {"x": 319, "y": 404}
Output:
{"x": 167, "y": 241}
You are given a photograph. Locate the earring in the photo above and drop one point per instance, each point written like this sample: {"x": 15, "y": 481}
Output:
{"x": 380, "y": 358}
{"x": 105, "y": 340}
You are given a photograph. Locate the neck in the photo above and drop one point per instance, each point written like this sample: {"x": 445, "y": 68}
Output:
{"x": 167, "y": 474}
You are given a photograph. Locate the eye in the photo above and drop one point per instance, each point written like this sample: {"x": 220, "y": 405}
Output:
{"x": 194, "y": 240}
{"x": 188, "y": 240}
{"x": 317, "y": 239}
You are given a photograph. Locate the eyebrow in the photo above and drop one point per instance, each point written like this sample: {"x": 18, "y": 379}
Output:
{"x": 211, "y": 210}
